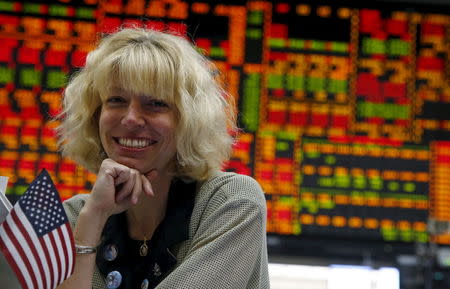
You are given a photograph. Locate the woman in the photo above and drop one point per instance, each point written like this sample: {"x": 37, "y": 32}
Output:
{"x": 147, "y": 116}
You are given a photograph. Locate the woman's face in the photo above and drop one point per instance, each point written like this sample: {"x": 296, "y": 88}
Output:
{"x": 138, "y": 131}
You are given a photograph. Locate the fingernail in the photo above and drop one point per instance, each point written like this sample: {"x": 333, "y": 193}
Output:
{"x": 152, "y": 174}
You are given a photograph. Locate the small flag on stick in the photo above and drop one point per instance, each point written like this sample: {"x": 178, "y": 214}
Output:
{"x": 36, "y": 237}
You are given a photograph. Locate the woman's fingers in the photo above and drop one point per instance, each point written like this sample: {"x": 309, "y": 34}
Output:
{"x": 122, "y": 175}
{"x": 147, "y": 186}
{"x": 127, "y": 183}
{"x": 126, "y": 187}
{"x": 137, "y": 189}
{"x": 133, "y": 186}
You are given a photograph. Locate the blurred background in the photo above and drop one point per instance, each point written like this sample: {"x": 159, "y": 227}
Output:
{"x": 344, "y": 106}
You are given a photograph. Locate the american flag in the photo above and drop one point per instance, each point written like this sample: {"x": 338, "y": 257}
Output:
{"x": 36, "y": 237}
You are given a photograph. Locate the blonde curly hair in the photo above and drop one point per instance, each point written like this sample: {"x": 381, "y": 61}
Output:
{"x": 164, "y": 66}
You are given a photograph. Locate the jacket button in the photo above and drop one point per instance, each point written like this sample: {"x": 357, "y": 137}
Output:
{"x": 110, "y": 252}
{"x": 144, "y": 284}
{"x": 113, "y": 280}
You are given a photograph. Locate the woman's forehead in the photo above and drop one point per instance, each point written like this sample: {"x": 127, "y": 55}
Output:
{"x": 115, "y": 89}
{"x": 123, "y": 91}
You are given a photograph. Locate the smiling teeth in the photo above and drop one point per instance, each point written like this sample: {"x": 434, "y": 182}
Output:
{"x": 134, "y": 143}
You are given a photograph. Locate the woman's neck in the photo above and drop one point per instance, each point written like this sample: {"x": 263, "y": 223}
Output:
{"x": 148, "y": 213}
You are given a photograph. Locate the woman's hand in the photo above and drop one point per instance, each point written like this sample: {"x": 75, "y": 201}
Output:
{"x": 117, "y": 188}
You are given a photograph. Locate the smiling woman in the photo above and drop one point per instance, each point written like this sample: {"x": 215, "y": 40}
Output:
{"x": 148, "y": 117}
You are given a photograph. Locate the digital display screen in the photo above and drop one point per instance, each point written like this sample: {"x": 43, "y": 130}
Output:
{"x": 344, "y": 110}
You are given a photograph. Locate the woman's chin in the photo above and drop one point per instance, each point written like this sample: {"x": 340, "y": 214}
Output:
{"x": 133, "y": 164}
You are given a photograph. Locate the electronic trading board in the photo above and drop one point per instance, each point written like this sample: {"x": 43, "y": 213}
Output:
{"x": 344, "y": 110}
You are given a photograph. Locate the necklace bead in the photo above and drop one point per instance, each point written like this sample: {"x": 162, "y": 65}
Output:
{"x": 143, "y": 250}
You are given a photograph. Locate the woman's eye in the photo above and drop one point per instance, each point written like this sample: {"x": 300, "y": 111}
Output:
{"x": 158, "y": 103}
{"x": 115, "y": 99}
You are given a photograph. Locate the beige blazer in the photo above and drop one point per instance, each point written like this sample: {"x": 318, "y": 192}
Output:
{"x": 226, "y": 247}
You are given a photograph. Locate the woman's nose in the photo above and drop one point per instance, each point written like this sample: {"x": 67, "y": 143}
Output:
{"x": 134, "y": 116}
